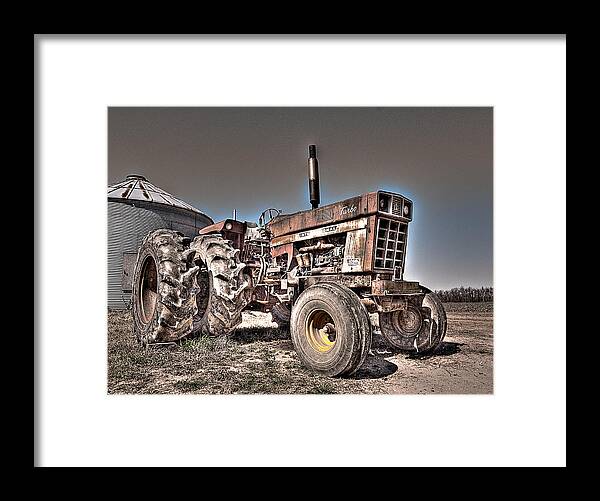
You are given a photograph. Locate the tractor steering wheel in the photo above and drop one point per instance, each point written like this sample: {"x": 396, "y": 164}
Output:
{"x": 267, "y": 216}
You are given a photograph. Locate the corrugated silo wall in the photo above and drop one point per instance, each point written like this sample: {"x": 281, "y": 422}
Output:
{"x": 127, "y": 227}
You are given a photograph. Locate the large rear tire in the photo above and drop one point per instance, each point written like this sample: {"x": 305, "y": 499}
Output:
{"x": 225, "y": 285}
{"x": 330, "y": 329}
{"x": 419, "y": 328}
{"x": 181, "y": 289}
{"x": 164, "y": 289}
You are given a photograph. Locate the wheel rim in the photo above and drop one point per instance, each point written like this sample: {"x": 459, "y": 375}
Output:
{"x": 408, "y": 322}
{"x": 148, "y": 290}
{"x": 320, "y": 331}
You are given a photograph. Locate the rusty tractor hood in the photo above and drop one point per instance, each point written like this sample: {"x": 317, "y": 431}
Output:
{"x": 351, "y": 208}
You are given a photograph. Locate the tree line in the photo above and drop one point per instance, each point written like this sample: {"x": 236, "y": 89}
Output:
{"x": 466, "y": 295}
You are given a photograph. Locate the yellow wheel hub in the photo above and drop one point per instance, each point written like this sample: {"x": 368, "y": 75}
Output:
{"x": 320, "y": 331}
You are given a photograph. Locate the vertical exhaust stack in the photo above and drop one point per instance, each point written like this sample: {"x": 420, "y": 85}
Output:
{"x": 313, "y": 176}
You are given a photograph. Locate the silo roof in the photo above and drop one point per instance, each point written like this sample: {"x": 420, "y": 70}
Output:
{"x": 136, "y": 187}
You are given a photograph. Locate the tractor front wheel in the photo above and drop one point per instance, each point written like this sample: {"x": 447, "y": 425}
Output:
{"x": 330, "y": 329}
{"x": 418, "y": 328}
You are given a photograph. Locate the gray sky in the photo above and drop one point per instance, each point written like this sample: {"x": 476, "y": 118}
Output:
{"x": 219, "y": 159}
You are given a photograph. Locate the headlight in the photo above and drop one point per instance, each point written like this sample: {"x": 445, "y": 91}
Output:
{"x": 228, "y": 226}
{"x": 384, "y": 202}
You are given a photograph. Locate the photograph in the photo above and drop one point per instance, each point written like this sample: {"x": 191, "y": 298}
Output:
{"x": 252, "y": 249}
{"x": 300, "y": 250}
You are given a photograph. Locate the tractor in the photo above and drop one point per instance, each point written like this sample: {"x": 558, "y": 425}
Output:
{"x": 320, "y": 271}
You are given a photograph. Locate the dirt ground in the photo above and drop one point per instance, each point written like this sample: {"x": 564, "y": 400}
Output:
{"x": 259, "y": 358}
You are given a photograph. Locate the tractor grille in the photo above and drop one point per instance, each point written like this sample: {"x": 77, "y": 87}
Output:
{"x": 396, "y": 206}
{"x": 401, "y": 207}
{"x": 390, "y": 245}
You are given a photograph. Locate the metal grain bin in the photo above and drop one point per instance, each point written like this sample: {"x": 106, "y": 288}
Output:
{"x": 136, "y": 207}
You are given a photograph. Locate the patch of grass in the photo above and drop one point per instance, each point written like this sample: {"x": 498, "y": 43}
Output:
{"x": 263, "y": 382}
{"x": 191, "y": 386}
{"x": 202, "y": 343}
{"x": 248, "y": 363}
{"x": 136, "y": 358}
{"x": 323, "y": 387}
